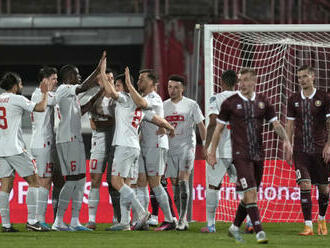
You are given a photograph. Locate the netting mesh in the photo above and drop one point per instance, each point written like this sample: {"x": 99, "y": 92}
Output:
{"x": 275, "y": 56}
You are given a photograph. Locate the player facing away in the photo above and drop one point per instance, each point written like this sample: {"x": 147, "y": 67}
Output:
{"x": 154, "y": 148}
{"x": 13, "y": 155}
{"x": 129, "y": 115}
{"x": 224, "y": 164}
{"x": 69, "y": 144}
{"x": 246, "y": 112}
{"x": 102, "y": 125}
{"x": 308, "y": 120}
{"x": 43, "y": 140}
{"x": 183, "y": 113}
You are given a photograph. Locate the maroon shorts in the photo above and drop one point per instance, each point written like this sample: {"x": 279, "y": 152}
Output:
{"x": 249, "y": 173}
{"x": 311, "y": 167}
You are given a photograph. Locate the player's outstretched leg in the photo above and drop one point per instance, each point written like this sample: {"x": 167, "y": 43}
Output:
{"x": 323, "y": 205}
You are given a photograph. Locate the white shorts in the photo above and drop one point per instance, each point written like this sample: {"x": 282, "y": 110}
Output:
{"x": 215, "y": 175}
{"x": 177, "y": 162}
{"x": 125, "y": 162}
{"x": 44, "y": 158}
{"x": 101, "y": 151}
{"x": 72, "y": 158}
{"x": 152, "y": 161}
{"x": 22, "y": 163}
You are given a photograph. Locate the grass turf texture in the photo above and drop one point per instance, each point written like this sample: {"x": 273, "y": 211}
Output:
{"x": 279, "y": 234}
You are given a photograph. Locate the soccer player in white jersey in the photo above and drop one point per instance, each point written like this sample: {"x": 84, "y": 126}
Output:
{"x": 216, "y": 173}
{"x": 69, "y": 143}
{"x": 183, "y": 113}
{"x": 43, "y": 140}
{"x": 129, "y": 115}
{"x": 102, "y": 124}
{"x": 154, "y": 148}
{"x": 13, "y": 156}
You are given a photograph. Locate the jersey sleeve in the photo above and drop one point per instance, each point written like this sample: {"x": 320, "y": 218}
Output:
{"x": 51, "y": 99}
{"x": 148, "y": 115}
{"x": 213, "y": 107}
{"x": 291, "y": 113}
{"x": 153, "y": 102}
{"x": 327, "y": 105}
{"x": 224, "y": 114}
{"x": 197, "y": 114}
{"x": 123, "y": 99}
{"x": 270, "y": 114}
{"x": 24, "y": 103}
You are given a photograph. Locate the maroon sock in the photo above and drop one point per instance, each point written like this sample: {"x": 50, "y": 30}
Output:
{"x": 323, "y": 203}
{"x": 306, "y": 204}
{"x": 154, "y": 203}
{"x": 253, "y": 212}
{"x": 240, "y": 214}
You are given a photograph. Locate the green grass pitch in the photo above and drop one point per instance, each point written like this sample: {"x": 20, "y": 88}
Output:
{"x": 282, "y": 235}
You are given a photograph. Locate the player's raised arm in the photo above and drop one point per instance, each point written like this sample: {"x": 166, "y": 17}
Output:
{"x": 91, "y": 80}
{"x": 87, "y": 107}
{"x": 211, "y": 156}
{"x": 279, "y": 129}
{"x": 139, "y": 101}
{"x": 41, "y": 106}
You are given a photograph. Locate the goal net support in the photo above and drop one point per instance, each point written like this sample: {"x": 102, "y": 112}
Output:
{"x": 275, "y": 52}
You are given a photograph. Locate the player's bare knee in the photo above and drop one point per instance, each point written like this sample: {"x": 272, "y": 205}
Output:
{"x": 142, "y": 180}
{"x": 184, "y": 175}
{"x": 45, "y": 182}
{"x": 7, "y": 184}
{"x": 154, "y": 181}
{"x": 250, "y": 196}
{"x": 323, "y": 189}
{"x": 32, "y": 180}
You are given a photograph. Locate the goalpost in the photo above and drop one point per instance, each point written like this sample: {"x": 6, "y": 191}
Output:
{"x": 275, "y": 52}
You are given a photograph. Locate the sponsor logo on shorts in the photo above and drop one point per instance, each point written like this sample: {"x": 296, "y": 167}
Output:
{"x": 296, "y": 104}
{"x": 298, "y": 174}
{"x": 239, "y": 106}
{"x": 243, "y": 183}
{"x": 318, "y": 103}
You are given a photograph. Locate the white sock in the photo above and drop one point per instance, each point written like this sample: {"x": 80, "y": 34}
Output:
{"x": 248, "y": 219}
{"x": 125, "y": 209}
{"x": 321, "y": 217}
{"x": 63, "y": 202}
{"x": 142, "y": 194}
{"x": 31, "y": 202}
{"x": 162, "y": 199}
{"x": 4, "y": 209}
{"x": 77, "y": 198}
{"x": 42, "y": 203}
{"x": 93, "y": 202}
{"x": 212, "y": 201}
{"x": 309, "y": 223}
{"x": 234, "y": 228}
{"x": 128, "y": 193}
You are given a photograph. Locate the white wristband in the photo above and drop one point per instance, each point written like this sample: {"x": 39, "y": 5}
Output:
{"x": 203, "y": 142}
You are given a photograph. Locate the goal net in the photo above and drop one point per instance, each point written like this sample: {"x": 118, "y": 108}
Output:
{"x": 275, "y": 52}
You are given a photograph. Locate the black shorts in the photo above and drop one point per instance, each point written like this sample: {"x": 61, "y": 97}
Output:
{"x": 249, "y": 173}
{"x": 311, "y": 167}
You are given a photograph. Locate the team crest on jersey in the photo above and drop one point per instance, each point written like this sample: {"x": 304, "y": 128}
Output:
{"x": 212, "y": 99}
{"x": 296, "y": 104}
{"x": 261, "y": 105}
{"x": 318, "y": 103}
{"x": 239, "y": 106}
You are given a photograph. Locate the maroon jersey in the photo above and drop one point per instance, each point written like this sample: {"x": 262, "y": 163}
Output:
{"x": 246, "y": 117}
{"x": 310, "y": 115}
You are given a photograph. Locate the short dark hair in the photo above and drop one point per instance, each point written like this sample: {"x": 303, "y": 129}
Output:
{"x": 65, "y": 72}
{"x": 306, "y": 67}
{"x": 9, "y": 80}
{"x": 177, "y": 78}
{"x": 46, "y": 72}
{"x": 121, "y": 77}
{"x": 229, "y": 77}
{"x": 151, "y": 74}
{"x": 248, "y": 70}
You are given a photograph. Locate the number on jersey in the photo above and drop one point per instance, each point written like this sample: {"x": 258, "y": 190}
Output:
{"x": 137, "y": 118}
{"x": 3, "y": 119}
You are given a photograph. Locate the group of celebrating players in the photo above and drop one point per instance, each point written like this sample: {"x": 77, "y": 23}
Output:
{"x": 144, "y": 141}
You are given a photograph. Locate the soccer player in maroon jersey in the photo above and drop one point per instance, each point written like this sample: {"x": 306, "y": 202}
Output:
{"x": 246, "y": 112}
{"x": 308, "y": 119}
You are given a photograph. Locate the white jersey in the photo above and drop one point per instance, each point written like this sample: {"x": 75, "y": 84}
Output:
{"x": 224, "y": 147}
{"x": 108, "y": 106}
{"x": 42, "y": 122}
{"x": 12, "y": 107}
{"x": 148, "y": 129}
{"x": 69, "y": 128}
{"x": 183, "y": 116}
{"x": 128, "y": 119}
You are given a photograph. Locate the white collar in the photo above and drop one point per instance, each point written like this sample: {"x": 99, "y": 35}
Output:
{"x": 245, "y": 98}
{"x": 309, "y": 97}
